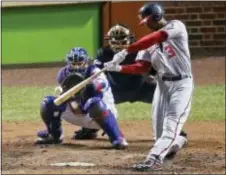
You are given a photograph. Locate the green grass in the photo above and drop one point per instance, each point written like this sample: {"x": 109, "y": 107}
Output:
{"x": 23, "y": 104}
{"x": 209, "y": 103}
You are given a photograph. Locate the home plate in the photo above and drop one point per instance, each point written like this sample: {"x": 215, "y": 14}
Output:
{"x": 78, "y": 164}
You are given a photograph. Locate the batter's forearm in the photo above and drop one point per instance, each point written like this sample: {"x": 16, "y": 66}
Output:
{"x": 147, "y": 41}
{"x": 140, "y": 67}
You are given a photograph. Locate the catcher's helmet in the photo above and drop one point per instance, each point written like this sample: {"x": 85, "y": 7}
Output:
{"x": 118, "y": 37}
{"x": 153, "y": 11}
{"x": 77, "y": 59}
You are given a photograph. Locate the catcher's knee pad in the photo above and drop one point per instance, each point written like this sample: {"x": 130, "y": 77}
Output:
{"x": 105, "y": 119}
{"x": 95, "y": 106}
{"x": 51, "y": 115}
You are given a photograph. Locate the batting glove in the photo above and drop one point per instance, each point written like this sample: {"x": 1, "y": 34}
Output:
{"x": 111, "y": 66}
{"x": 119, "y": 57}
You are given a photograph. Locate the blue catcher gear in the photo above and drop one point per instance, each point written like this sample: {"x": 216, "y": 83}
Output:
{"x": 78, "y": 59}
{"x": 153, "y": 11}
{"x": 51, "y": 116}
{"x": 97, "y": 110}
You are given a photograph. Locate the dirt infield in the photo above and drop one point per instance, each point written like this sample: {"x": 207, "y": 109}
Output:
{"x": 205, "y": 152}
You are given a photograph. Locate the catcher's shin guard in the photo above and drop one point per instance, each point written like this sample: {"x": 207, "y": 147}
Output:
{"x": 107, "y": 121}
{"x": 51, "y": 116}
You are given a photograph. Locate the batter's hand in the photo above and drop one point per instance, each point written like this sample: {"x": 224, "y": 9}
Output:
{"x": 112, "y": 66}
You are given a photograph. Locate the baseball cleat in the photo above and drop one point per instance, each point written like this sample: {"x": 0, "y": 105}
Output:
{"x": 150, "y": 164}
{"x": 85, "y": 134}
{"x": 120, "y": 144}
{"x": 45, "y": 138}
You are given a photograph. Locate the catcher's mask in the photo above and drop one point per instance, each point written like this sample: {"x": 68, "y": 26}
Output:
{"x": 119, "y": 37}
{"x": 71, "y": 80}
{"x": 78, "y": 59}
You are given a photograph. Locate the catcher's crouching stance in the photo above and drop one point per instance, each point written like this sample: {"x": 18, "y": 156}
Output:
{"x": 92, "y": 108}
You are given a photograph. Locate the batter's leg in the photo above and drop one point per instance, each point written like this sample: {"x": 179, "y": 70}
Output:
{"x": 179, "y": 143}
{"x": 158, "y": 112}
{"x": 176, "y": 115}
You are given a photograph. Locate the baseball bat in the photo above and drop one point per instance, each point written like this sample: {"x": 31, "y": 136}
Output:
{"x": 65, "y": 96}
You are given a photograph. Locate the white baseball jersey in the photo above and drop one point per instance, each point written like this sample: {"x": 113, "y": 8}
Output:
{"x": 171, "y": 56}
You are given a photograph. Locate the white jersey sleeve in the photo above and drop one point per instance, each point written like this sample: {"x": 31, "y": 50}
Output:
{"x": 174, "y": 29}
{"x": 143, "y": 55}
{"x": 146, "y": 55}
{"x": 176, "y": 49}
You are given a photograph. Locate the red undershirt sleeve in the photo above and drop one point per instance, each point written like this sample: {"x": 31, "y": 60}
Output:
{"x": 147, "y": 41}
{"x": 139, "y": 67}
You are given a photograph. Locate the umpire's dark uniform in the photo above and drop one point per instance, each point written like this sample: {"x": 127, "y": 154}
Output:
{"x": 126, "y": 87}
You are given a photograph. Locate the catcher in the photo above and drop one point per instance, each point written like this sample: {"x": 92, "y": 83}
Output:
{"x": 92, "y": 108}
{"x": 125, "y": 87}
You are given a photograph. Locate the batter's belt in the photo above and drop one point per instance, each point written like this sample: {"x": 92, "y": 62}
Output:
{"x": 174, "y": 78}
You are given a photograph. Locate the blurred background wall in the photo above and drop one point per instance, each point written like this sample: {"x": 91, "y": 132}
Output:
{"x": 205, "y": 21}
{"x": 40, "y": 32}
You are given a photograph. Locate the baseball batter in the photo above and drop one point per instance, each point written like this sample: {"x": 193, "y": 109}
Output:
{"x": 167, "y": 50}
{"x": 92, "y": 108}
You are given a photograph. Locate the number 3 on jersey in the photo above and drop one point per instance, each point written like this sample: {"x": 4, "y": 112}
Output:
{"x": 170, "y": 51}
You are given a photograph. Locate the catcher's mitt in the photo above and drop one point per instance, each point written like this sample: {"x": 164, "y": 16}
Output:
{"x": 71, "y": 80}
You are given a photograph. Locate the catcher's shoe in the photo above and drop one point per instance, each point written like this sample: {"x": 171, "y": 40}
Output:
{"x": 45, "y": 138}
{"x": 85, "y": 134}
{"x": 120, "y": 144}
{"x": 153, "y": 163}
{"x": 176, "y": 148}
